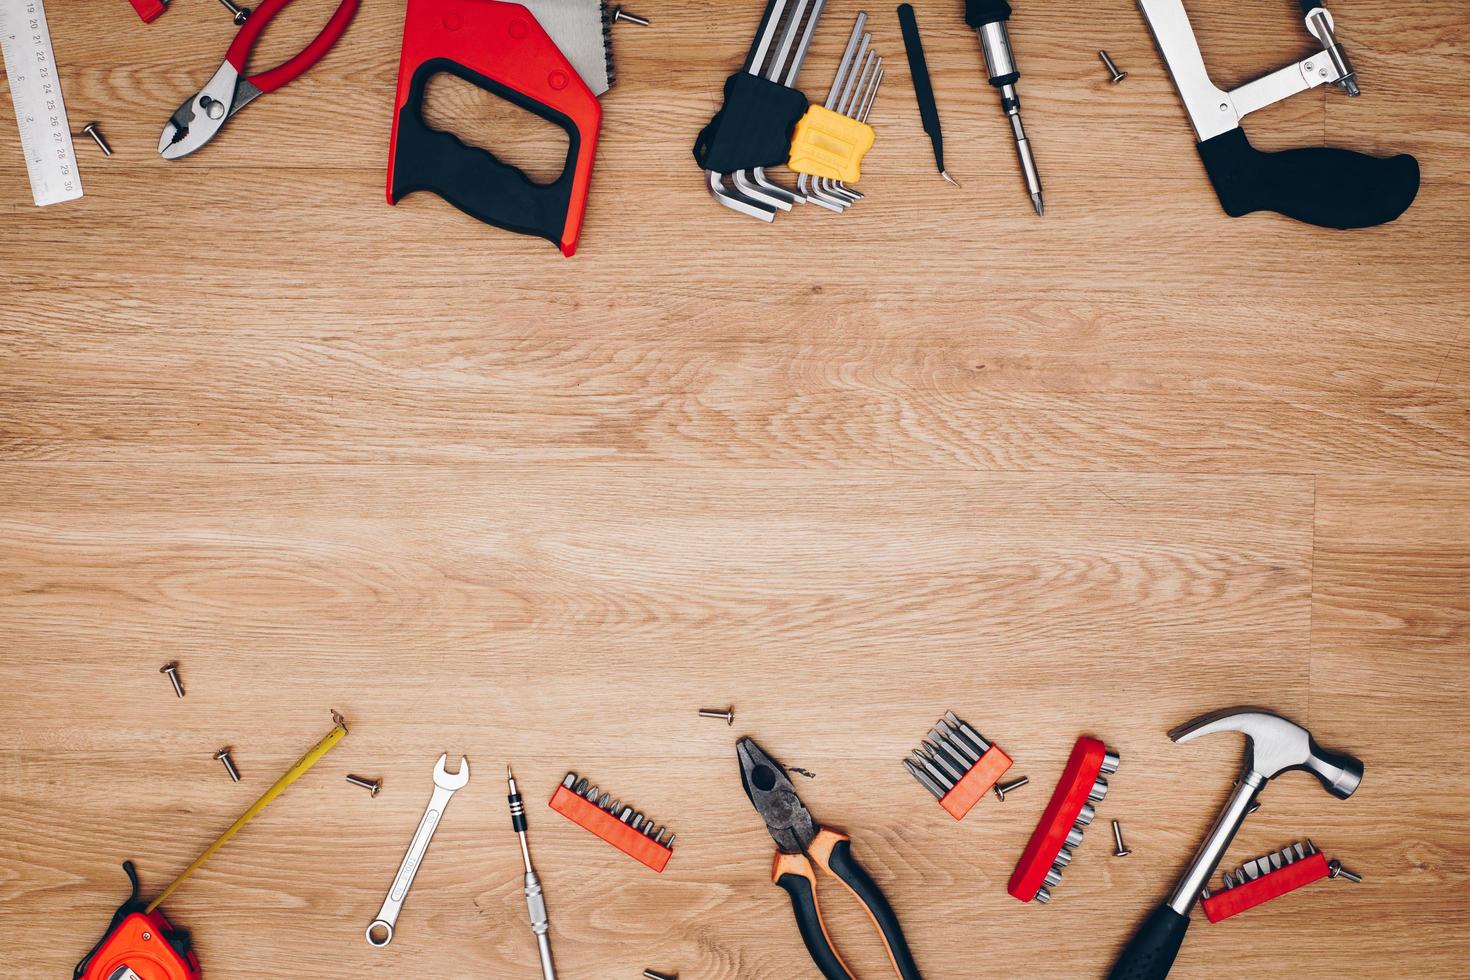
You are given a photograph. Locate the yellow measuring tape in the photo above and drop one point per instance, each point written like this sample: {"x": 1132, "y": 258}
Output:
{"x": 291, "y": 775}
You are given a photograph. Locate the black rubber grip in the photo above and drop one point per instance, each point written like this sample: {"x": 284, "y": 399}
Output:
{"x": 1150, "y": 954}
{"x": 753, "y": 127}
{"x": 804, "y": 904}
{"x": 913, "y": 45}
{"x": 978, "y": 13}
{"x": 1321, "y": 185}
{"x": 845, "y": 866}
{"x": 472, "y": 179}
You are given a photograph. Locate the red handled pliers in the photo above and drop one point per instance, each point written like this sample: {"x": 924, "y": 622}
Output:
{"x": 200, "y": 117}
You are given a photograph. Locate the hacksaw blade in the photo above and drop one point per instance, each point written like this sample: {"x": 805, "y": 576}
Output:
{"x": 582, "y": 29}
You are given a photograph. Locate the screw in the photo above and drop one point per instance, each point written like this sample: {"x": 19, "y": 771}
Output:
{"x": 1336, "y": 870}
{"x": 223, "y": 755}
{"x": 728, "y": 715}
{"x": 1122, "y": 850}
{"x": 620, "y": 14}
{"x": 1001, "y": 789}
{"x": 1118, "y": 76}
{"x": 371, "y": 785}
{"x": 655, "y": 975}
{"x": 172, "y": 670}
{"x": 91, "y": 130}
{"x": 242, "y": 14}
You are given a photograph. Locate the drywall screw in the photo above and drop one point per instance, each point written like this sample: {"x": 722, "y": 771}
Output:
{"x": 223, "y": 755}
{"x": 655, "y": 975}
{"x": 1118, "y": 76}
{"x": 172, "y": 670}
{"x": 371, "y": 785}
{"x": 91, "y": 130}
{"x": 241, "y": 14}
{"x": 1336, "y": 870}
{"x": 1122, "y": 850}
{"x": 620, "y": 14}
{"x": 1001, "y": 789}
{"x": 728, "y": 715}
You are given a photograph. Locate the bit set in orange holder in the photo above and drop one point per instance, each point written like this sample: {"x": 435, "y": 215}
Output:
{"x": 1260, "y": 880}
{"x": 956, "y": 765}
{"x": 621, "y": 826}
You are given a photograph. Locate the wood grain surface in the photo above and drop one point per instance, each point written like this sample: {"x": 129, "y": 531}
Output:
{"x": 1094, "y": 473}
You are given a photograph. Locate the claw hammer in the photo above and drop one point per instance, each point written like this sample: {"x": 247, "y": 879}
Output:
{"x": 1273, "y": 745}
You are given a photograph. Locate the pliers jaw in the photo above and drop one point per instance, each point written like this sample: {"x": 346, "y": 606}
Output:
{"x": 200, "y": 117}
{"x": 771, "y": 793}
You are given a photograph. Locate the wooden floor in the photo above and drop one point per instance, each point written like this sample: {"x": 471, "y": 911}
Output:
{"x": 1095, "y": 473}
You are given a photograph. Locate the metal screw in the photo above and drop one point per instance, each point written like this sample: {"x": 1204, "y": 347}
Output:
{"x": 371, "y": 785}
{"x": 91, "y": 130}
{"x": 223, "y": 755}
{"x": 242, "y": 14}
{"x": 1001, "y": 789}
{"x": 620, "y": 14}
{"x": 1118, "y": 76}
{"x": 1336, "y": 870}
{"x": 1122, "y": 849}
{"x": 727, "y": 715}
{"x": 172, "y": 670}
{"x": 655, "y": 975}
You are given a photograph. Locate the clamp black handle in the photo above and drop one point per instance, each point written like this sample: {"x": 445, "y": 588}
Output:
{"x": 471, "y": 178}
{"x": 1321, "y": 185}
{"x": 1150, "y": 954}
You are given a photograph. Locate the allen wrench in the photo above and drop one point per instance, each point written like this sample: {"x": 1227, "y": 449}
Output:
{"x": 753, "y": 206}
{"x": 872, "y": 68}
{"x": 853, "y": 58}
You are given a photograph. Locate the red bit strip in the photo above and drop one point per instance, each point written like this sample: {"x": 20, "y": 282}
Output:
{"x": 1067, "y": 800}
{"x": 591, "y": 817}
{"x": 1273, "y": 884}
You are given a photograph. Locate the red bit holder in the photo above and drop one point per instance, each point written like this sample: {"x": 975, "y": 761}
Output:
{"x": 1041, "y": 863}
{"x": 1272, "y": 876}
{"x": 149, "y": 10}
{"x": 956, "y": 764}
{"x": 591, "y": 817}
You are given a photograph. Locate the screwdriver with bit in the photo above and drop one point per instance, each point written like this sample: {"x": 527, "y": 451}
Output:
{"x": 535, "y": 900}
{"x": 988, "y": 19}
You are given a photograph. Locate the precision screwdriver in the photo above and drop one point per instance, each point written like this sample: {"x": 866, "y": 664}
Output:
{"x": 988, "y": 19}
{"x": 535, "y": 900}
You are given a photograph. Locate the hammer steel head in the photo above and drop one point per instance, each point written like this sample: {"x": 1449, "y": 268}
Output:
{"x": 451, "y": 781}
{"x": 1274, "y": 745}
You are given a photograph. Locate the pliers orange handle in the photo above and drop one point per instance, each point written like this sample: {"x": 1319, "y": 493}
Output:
{"x": 832, "y": 851}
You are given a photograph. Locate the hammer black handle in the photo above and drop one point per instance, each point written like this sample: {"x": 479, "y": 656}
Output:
{"x": 1150, "y": 954}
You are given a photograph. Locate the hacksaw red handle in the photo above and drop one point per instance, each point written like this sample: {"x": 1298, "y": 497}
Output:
{"x": 295, "y": 67}
{"x": 1274, "y": 884}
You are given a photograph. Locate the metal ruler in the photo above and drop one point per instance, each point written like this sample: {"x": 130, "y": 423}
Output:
{"x": 35, "y": 86}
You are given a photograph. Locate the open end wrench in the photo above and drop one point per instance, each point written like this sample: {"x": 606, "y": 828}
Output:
{"x": 380, "y": 930}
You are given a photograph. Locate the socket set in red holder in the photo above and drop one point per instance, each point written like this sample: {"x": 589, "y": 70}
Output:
{"x": 1264, "y": 878}
{"x": 1066, "y": 816}
{"x": 621, "y": 826}
{"x": 956, "y": 765}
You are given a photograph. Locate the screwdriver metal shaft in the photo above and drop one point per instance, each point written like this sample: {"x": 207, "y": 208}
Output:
{"x": 535, "y": 900}
{"x": 988, "y": 19}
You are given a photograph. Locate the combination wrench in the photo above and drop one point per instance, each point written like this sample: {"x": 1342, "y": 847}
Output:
{"x": 380, "y": 930}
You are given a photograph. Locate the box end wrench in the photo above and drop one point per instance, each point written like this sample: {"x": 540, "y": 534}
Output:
{"x": 380, "y": 930}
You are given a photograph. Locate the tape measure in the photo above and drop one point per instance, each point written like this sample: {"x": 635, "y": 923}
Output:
{"x": 35, "y": 86}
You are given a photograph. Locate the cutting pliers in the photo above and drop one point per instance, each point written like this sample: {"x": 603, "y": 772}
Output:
{"x": 200, "y": 117}
{"x": 802, "y": 847}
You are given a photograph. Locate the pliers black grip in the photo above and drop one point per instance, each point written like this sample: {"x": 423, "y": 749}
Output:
{"x": 797, "y": 875}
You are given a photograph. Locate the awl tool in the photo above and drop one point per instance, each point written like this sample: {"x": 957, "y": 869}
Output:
{"x": 1321, "y": 185}
{"x": 988, "y": 19}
